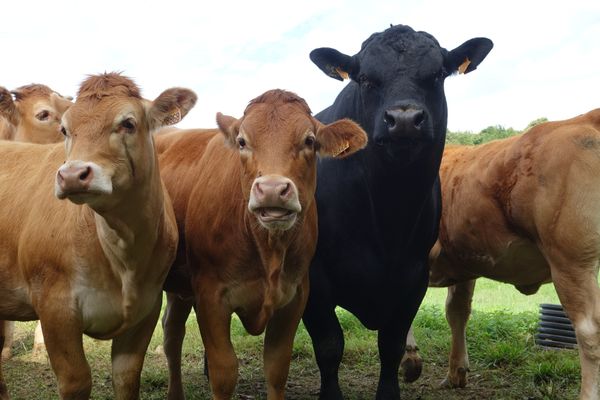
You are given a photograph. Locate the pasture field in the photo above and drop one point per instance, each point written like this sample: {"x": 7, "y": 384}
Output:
{"x": 505, "y": 362}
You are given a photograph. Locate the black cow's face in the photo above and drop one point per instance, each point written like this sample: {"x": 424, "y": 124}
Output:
{"x": 398, "y": 85}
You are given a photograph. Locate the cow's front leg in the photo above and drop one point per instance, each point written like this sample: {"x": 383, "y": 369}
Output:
{"x": 214, "y": 321}
{"x": 458, "y": 310}
{"x": 128, "y": 351}
{"x": 279, "y": 340}
{"x": 63, "y": 335}
{"x": 391, "y": 341}
{"x": 326, "y": 335}
{"x": 173, "y": 322}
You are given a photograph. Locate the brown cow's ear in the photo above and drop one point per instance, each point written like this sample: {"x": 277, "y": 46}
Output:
{"x": 170, "y": 107}
{"x": 229, "y": 127}
{"x": 59, "y": 103}
{"x": 340, "y": 139}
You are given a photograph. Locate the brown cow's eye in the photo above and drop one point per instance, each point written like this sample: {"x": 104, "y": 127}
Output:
{"x": 241, "y": 143}
{"x": 309, "y": 141}
{"x": 128, "y": 125}
{"x": 43, "y": 115}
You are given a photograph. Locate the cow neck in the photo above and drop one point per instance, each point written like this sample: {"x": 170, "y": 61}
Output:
{"x": 129, "y": 229}
{"x": 272, "y": 248}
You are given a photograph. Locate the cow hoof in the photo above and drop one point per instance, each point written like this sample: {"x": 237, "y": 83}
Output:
{"x": 412, "y": 368}
{"x": 456, "y": 380}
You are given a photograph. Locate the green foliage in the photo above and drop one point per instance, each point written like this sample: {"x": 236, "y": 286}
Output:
{"x": 488, "y": 134}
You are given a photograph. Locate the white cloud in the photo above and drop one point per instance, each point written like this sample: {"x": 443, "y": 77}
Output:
{"x": 545, "y": 61}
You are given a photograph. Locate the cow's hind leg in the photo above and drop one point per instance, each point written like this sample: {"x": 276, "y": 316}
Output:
{"x": 412, "y": 363}
{"x": 327, "y": 338}
{"x": 127, "y": 353}
{"x": 3, "y": 330}
{"x": 458, "y": 310}
{"x": 9, "y": 331}
{"x": 173, "y": 322}
{"x": 577, "y": 288}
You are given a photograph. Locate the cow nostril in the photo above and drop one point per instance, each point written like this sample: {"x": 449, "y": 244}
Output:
{"x": 285, "y": 190}
{"x": 419, "y": 118}
{"x": 85, "y": 174}
{"x": 389, "y": 119}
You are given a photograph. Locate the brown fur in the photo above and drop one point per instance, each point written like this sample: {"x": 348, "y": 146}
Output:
{"x": 232, "y": 264}
{"x": 96, "y": 268}
{"x": 526, "y": 211}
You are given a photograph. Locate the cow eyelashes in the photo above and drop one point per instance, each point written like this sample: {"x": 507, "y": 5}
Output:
{"x": 43, "y": 115}
{"x": 127, "y": 126}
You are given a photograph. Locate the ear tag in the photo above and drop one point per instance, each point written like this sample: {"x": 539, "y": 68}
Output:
{"x": 342, "y": 74}
{"x": 173, "y": 118}
{"x": 342, "y": 149}
{"x": 463, "y": 67}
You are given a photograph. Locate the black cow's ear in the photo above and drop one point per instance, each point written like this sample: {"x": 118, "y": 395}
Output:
{"x": 466, "y": 57}
{"x": 335, "y": 64}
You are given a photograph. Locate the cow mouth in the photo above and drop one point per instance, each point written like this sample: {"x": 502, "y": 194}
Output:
{"x": 274, "y": 214}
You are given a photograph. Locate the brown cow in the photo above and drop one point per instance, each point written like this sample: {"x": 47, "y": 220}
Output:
{"x": 34, "y": 115}
{"x": 95, "y": 264}
{"x": 525, "y": 211}
{"x": 244, "y": 200}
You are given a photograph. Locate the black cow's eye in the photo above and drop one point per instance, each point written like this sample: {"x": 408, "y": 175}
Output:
{"x": 241, "y": 143}
{"x": 43, "y": 115}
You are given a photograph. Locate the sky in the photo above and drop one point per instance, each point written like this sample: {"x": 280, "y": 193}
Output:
{"x": 545, "y": 61}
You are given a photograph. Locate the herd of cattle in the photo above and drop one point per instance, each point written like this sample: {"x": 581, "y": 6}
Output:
{"x": 225, "y": 220}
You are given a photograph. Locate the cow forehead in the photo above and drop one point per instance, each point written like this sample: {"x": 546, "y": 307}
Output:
{"x": 276, "y": 122}
{"x": 403, "y": 51}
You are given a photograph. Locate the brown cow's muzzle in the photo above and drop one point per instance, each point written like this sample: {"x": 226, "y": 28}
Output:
{"x": 77, "y": 178}
{"x": 274, "y": 201}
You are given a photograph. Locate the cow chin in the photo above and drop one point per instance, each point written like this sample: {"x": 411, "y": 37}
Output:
{"x": 275, "y": 219}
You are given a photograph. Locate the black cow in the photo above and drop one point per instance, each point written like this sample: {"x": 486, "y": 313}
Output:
{"x": 379, "y": 209}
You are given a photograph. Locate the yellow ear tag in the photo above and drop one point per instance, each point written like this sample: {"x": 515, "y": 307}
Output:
{"x": 342, "y": 149}
{"x": 463, "y": 67}
{"x": 173, "y": 118}
{"x": 342, "y": 73}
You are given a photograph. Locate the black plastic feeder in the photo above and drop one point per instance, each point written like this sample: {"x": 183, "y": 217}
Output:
{"x": 555, "y": 329}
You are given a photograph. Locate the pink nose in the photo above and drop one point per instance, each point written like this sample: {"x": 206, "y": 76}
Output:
{"x": 273, "y": 191}
{"x": 74, "y": 179}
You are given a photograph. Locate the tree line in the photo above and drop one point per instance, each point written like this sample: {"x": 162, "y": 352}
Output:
{"x": 488, "y": 134}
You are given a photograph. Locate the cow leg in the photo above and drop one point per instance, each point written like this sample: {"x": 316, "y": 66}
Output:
{"x": 458, "y": 310}
{"x": 64, "y": 343}
{"x": 412, "y": 363}
{"x": 279, "y": 340}
{"x": 391, "y": 341}
{"x": 327, "y": 338}
{"x": 173, "y": 322}
{"x": 38, "y": 341}
{"x": 215, "y": 326}
{"x": 7, "y": 336}
{"x": 127, "y": 353}
{"x": 577, "y": 288}
{"x": 3, "y": 334}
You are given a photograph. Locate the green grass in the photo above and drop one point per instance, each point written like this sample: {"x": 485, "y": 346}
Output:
{"x": 505, "y": 362}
